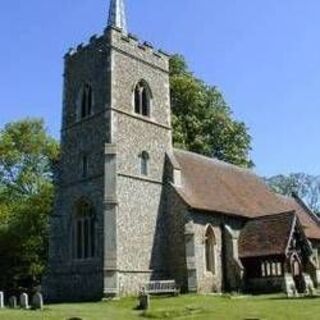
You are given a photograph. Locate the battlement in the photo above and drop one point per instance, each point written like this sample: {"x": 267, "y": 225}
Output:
{"x": 126, "y": 43}
{"x": 131, "y": 44}
{"x": 93, "y": 42}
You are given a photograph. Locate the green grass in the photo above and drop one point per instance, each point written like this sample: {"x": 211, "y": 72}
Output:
{"x": 184, "y": 307}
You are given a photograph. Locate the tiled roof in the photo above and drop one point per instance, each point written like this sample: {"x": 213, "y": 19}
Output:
{"x": 309, "y": 222}
{"x": 266, "y": 236}
{"x": 213, "y": 185}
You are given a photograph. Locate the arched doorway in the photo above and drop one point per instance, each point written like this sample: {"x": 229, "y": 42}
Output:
{"x": 296, "y": 271}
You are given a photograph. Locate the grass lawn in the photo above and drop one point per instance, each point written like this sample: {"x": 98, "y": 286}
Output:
{"x": 184, "y": 307}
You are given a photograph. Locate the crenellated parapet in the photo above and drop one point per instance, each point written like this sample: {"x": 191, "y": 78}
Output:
{"x": 129, "y": 44}
{"x": 143, "y": 50}
{"x": 94, "y": 42}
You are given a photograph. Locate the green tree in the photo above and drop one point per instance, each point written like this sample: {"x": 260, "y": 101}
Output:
{"x": 306, "y": 186}
{"x": 27, "y": 155}
{"x": 202, "y": 121}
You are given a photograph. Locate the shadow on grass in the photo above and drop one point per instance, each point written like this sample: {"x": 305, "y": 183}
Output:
{"x": 284, "y": 298}
{"x": 172, "y": 314}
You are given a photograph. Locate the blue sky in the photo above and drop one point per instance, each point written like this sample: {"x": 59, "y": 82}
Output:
{"x": 264, "y": 55}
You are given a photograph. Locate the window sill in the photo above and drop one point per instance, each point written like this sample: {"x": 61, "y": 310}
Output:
{"x": 144, "y": 117}
{"x": 84, "y": 261}
{"x": 84, "y": 119}
{"x": 140, "y": 177}
{"x": 149, "y": 120}
{"x": 210, "y": 273}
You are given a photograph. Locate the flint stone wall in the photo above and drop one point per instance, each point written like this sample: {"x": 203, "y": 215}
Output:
{"x": 80, "y": 285}
{"x": 189, "y": 259}
{"x": 141, "y": 236}
{"x": 176, "y": 253}
{"x": 207, "y": 281}
{"x": 67, "y": 279}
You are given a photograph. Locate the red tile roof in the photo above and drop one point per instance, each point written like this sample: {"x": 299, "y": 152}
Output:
{"x": 213, "y": 185}
{"x": 310, "y": 223}
{"x": 266, "y": 236}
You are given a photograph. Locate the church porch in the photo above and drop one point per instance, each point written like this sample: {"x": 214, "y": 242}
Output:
{"x": 277, "y": 256}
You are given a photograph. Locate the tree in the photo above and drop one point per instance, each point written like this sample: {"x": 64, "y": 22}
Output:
{"x": 202, "y": 121}
{"x": 307, "y": 187}
{"x": 27, "y": 154}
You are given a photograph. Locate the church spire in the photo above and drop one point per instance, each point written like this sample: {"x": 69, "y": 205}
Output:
{"x": 117, "y": 15}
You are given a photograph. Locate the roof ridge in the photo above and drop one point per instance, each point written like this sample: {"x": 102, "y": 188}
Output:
{"x": 216, "y": 160}
{"x": 275, "y": 215}
{"x": 217, "y": 186}
{"x": 306, "y": 207}
{"x": 284, "y": 196}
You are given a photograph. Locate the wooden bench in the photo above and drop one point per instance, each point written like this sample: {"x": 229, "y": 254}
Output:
{"x": 160, "y": 287}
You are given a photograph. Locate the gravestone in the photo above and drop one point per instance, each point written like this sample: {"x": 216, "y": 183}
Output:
{"x": 13, "y": 302}
{"x": 37, "y": 301}
{"x": 1, "y": 300}
{"x": 310, "y": 290}
{"x": 289, "y": 286}
{"x": 144, "y": 301}
{"x": 24, "y": 301}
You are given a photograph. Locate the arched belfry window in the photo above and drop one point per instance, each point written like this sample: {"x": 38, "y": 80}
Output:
{"x": 210, "y": 250}
{"x": 142, "y": 98}
{"x": 85, "y": 107}
{"x": 144, "y": 163}
{"x": 84, "y": 231}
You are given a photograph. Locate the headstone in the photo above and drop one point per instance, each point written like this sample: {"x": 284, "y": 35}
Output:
{"x": 310, "y": 290}
{"x": 144, "y": 301}
{"x": 289, "y": 285}
{"x": 37, "y": 301}
{"x": 1, "y": 300}
{"x": 24, "y": 301}
{"x": 13, "y": 302}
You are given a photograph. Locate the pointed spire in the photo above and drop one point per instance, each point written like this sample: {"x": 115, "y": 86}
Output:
{"x": 117, "y": 15}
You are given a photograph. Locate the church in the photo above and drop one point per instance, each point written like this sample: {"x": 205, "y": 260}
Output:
{"x": 130, "y": 208}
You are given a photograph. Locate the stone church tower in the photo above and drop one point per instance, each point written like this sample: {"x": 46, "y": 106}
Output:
{"x": 106, "y": 231}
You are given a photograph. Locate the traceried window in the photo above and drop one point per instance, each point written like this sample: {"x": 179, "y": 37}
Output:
{"x": 84, "y": 231}
{"x": 210, "y": 248}
{"x": 142, "y": 98}
{"x": 144, "y": 163}
{"x": 85, "y": 102}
